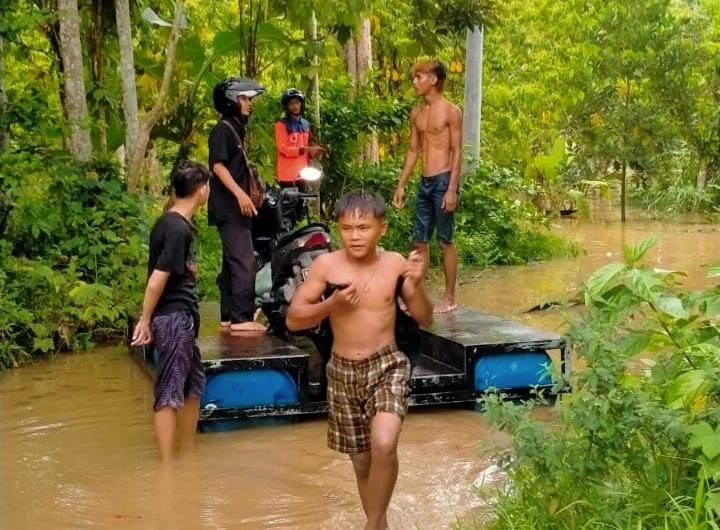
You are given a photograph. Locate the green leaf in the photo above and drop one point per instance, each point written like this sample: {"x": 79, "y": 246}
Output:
{"x": 703, "y": 436}
{"x": 713, "y": 502}
{"x": 714, "y": 270}
{"x": 710, "y": 305}
{"x": 598, "y": 281}
{"x": 633, "y": 344}
{"x": 43, "y": 344}
{"x": 269, "y": 33}
{"x": 636, "y": 253}
{"x": 672, "y": 306}
{"x": 645, "y": 284}
{"x": 686, "y": 387}
{"x": 225, "y": 40}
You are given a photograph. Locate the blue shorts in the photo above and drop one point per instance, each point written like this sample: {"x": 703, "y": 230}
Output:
{"x": 429, "y": 214}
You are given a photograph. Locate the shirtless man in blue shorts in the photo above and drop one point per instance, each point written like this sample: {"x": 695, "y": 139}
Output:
{"x": 436, "y": 133}
{"x": 368, "y": 375}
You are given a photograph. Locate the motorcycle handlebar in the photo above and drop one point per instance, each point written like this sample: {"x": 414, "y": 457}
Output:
{"x": 294, "y": 193}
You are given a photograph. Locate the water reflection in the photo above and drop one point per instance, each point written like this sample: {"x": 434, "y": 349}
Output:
{"x": 77, "y": 447}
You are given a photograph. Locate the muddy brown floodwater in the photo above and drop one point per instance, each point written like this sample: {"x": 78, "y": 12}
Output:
{"x": 77, "y": 448}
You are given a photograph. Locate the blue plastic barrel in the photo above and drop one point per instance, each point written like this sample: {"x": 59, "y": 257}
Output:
{"x": 512, "y": 370}
{"x": 250, "y": 388}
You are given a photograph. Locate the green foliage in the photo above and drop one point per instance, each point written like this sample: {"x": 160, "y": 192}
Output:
{"x": 636, "y": 443}
{"x": 493, "y": 227}
{"x": 667, "y": 197}
{"x": 74, "y": 255}
{"x": 346, "y": 123}
{"x": 208, "y": 249}
{"x": 623, "y": 82}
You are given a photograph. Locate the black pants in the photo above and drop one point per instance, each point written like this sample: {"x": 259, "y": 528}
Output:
{"x": 237, "y": 276}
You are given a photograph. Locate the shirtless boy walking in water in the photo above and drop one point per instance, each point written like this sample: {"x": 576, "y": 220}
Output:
{"x": 367, "y": 375}
{"x": 436, "y": 133}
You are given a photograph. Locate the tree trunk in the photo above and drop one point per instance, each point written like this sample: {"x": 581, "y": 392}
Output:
{"x": 51, "y": 29}
{"x": 4, "y": 137}
{"x": 97, "y": 63}
{"x": 74, "y": 81}
{"x": 364, "y": 52}
{"x": 155, "y": 181}
{"x": 249, "y": 65}
{"x": 702, "y": 175}
{"x": 315, "y": 78}
{"x": 623, "y": 187}
{"x": 350, "y": 53}
{"x": 127, "y": 75}
{"x": 363, "y": 60}
{"x": 137, "y": 155}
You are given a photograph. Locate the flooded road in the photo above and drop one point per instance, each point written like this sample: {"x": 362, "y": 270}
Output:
{"x": 77, "y": 449}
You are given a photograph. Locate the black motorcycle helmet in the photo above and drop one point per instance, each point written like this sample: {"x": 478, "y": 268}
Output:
{"x": 227, "y": 91}
{"x": 289, "y": 94}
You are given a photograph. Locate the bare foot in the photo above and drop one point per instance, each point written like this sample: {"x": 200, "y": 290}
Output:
{"x": 445, "y": 306}
{"x": 252, "y": 327}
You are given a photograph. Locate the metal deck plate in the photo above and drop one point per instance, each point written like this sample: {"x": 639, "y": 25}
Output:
{"x": 225, "y": 350}
{"x": 472, "y": 327}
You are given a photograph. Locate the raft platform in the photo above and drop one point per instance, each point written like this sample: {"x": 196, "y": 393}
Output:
{"x": 465, "y": 353}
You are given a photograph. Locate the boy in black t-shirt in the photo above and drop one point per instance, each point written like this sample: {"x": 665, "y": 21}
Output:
{"x": 170, "y": 317}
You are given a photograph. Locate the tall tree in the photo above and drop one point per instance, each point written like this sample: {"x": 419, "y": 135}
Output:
{"x": 135, "y": 153}
{"x": 358, "y": 61}
{"x": 97, "y": 36}
{"x": 620, "y": 118}
{"x": 127, "y": 76}
{"x": 74, "y": 80}
{"x": 4, "y": 138}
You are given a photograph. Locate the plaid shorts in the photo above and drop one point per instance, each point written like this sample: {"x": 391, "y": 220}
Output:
{"x": 357, "y": 390}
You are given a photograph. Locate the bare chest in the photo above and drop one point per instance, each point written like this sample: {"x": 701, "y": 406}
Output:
{"x": 431, "y": 122}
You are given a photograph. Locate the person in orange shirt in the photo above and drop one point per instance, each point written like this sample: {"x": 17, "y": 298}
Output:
{"x": 292, "y": 140}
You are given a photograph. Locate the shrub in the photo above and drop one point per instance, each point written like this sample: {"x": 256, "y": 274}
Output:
{"x": 74, "y": 255}
{"x": 637, "y": 442}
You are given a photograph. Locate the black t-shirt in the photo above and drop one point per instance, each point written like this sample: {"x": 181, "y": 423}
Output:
{"x": 172, "y": 250}
{"x": 223, "y": 147}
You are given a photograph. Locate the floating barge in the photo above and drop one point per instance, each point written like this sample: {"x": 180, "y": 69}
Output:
{"x": 465, "y": 353}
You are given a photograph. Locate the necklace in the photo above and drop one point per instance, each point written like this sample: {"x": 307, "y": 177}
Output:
{"x": 365, "y": 288}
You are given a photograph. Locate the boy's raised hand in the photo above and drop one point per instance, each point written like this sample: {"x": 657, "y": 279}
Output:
{"x": 414, "y": 268}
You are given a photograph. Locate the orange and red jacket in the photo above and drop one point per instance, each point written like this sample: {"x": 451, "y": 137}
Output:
{"x": 291, "y": 137}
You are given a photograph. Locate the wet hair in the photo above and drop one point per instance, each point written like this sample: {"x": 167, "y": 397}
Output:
{"x": 432, "y": 66}
{"x": 361, "y": 202}
{"x": 187, "y": 176}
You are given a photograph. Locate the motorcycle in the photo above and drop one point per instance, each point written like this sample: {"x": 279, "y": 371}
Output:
{"x": 283, "y": 257}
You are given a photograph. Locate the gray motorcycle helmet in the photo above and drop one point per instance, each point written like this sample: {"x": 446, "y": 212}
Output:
{"x": 227, "y": 91}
